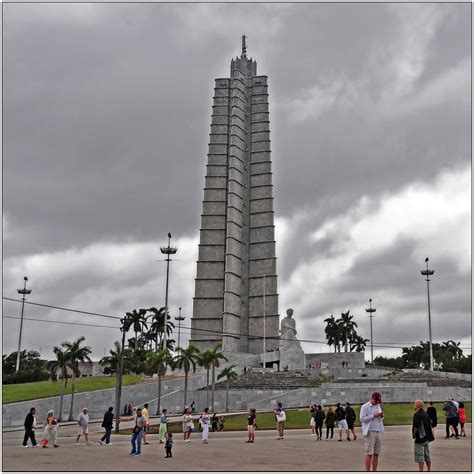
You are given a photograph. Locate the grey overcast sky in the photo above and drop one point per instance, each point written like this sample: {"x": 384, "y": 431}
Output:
{"x": 106, "y": 122}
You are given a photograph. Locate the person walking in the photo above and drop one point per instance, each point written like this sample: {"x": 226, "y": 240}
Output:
{"x": 50, "y": 433}
{"x": 204, "y": 422}
{"x": 451, "y": 413}
{"x": 462, "y": 418}
{"x": 341, "y": 421}
{"x": 187, "y": 424}
{"x": 319, "y": 419}
{"x": 30, "y": 425}
{"x": 423, "y": 435}
{"x": 83, "y": 426}
{"x": 330, "y": 421}
{"x": 163, "y": 426}
{"x": 350, "y": 418}
{"x": 107, "y": 423}
{"x": 371, "y": 418}
{"x": 169, "y": 445}
{"x": 433, "y": 414}
{"x": 137, "y": 433}
{"x": 280, "y": 418}
{"x": 251, "y": 424}
{"x": 147, "y": 422}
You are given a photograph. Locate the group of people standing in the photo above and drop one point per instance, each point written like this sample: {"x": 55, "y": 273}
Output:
{"x": 344, "y": 415}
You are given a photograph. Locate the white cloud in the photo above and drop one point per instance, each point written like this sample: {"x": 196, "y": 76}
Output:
{"x": 434, "y": 217}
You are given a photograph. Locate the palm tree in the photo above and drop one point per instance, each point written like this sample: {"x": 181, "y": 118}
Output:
{"x": 157, "y": 362}
{"x": 347, "y": 327}
{"x": 230, "y": 375}
{"x": 113, "y": 360}
{"x": 332, "y": 333}
{"x": 205, "y": 361}
{"x": 215, "y": 356}
{"x": 61, "y": 364}
{"x": 157, "y": 326}
{"x": 357, "y": 343}
{"x": 77, "y": 353}
{"x": 186, "y": 359}
{"x": 138, "y": 322}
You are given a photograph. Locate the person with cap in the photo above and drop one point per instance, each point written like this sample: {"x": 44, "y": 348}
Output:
{"x": 423, "y": 435}
{"x": 137, "y": 432}
{"x": 83, "y": 426}
{"x": 371, "y": 418}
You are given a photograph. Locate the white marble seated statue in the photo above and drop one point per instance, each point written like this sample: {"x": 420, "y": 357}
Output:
{"x": 288, "y": 327}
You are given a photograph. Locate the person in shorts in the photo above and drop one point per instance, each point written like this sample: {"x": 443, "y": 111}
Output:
{"x": 341, "y": 421}
{"x": 251, "y": 424}
{"x": 351, "y": 418}
{"x": 423, "y": 435}
{"x": 83, "y": 426}
{"x": 371, "y": 418}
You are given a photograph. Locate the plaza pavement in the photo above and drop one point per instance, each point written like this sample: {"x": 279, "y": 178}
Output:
{"x": 228, "y": 451}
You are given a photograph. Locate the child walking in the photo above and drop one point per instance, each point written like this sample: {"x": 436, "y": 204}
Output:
{"x": 169, "y": 445}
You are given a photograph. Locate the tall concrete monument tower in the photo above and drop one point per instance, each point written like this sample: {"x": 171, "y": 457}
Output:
{"x": 236, "y": 267}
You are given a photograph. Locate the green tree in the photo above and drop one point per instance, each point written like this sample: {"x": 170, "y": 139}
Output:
{"x": 113, "y": 359}
{"x": 346, "y": 328}
{"x": 229, "y": 374}
{"x": 61, "y": 364}
{"x": 157, "y": 362}
{"x": 357, "y": 343}
{"x": 205, "y": 361}
{"x": 138, "y": 323}
{"x": 186, "y": 359}
{"x": 215, "y": 357}
{"x": 157, "y": 326}
{"x": 76, "y": 354}
{"x": 332, "y": 333}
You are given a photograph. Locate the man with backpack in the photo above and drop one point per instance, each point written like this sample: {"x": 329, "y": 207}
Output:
{"x": 423, "y": 435}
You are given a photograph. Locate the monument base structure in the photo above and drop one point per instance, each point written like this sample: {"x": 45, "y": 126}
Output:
{"x": 292, "y": 356}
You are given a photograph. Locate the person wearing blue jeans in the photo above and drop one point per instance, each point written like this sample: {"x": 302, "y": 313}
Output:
{"x": 137, "y": 434}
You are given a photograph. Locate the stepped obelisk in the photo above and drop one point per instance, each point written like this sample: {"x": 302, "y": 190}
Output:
{"x": 236, "y": 267}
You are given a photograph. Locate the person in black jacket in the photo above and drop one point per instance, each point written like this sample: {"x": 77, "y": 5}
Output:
{"x": 330, "y": 420}
{"x": 30, "y": 425}
{"x": 351, "y": 418}
{"x": 319, "y": 417}
{"x": 433, "y": 414}
{"x": 107, "y": 423}
{"x": 423, "y": 435}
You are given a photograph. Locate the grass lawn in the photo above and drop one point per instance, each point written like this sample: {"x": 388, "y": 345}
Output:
{"x": 395, "y": 414}
{"x": 29, "y": 391}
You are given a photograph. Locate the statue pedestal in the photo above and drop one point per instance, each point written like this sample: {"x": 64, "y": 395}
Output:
{"x": 291, "y": 356}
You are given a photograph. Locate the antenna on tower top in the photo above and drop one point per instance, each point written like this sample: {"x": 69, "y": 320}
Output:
{"x": 244, "y": 47}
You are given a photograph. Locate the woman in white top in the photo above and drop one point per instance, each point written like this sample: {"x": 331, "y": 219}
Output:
{"x": 187, "y": 422}
{"x": 204, "y": 420}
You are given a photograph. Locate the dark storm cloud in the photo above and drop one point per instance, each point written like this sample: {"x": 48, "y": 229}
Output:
{"x": 106, "y": 122}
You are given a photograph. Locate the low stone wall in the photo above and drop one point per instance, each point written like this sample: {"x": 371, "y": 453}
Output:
{"x": 347, "y": 373}
{"x": 326, "y": 394}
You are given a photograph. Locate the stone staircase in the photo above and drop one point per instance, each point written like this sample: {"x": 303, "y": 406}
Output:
{"x": 269, "y": 381}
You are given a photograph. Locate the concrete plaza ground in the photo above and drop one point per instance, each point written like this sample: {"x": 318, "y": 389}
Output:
{"x": 228, "y": 452}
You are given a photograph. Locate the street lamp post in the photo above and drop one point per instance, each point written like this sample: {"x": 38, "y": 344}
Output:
{"x": 22, "y": 291}
{"x": 264, "y": 326}
{"x": 167, "y": 251}
{"x": 179, "y": 318}
{"x": 371, "y": 312}
{"x": 427, "y": 273}
{"x": 125, "y": 327}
